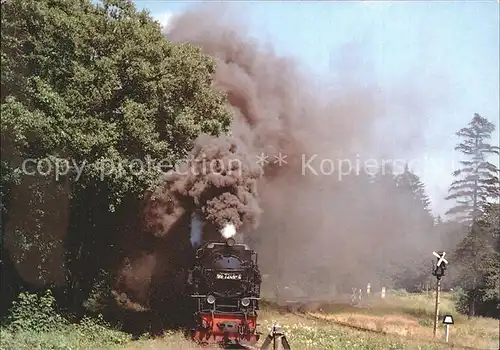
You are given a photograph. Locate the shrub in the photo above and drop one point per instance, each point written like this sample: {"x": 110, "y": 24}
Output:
{"x": 35, "y": 312}
{"x": 33, "y": 323}
{"x": 99, "y": 331}
{"x": 461, "y": 301}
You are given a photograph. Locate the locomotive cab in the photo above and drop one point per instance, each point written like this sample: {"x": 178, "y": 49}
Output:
{"x": 225, "y": 282}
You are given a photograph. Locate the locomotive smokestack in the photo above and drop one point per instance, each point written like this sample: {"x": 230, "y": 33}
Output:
{"x": 228, "y": 231}
{"x": 196, "y": 228}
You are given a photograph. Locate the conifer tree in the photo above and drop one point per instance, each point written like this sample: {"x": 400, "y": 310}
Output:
{"x": 413, "y": 207}
{"x": 478, "y": 178}
{"x": 474, "y": 191}
{"x": 412, "y": 183}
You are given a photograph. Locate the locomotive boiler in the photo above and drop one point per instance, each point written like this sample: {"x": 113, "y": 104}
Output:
{"x": 225, "y": 284}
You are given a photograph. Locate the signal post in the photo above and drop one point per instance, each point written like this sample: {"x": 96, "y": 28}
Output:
{"x": 438, "y": 271}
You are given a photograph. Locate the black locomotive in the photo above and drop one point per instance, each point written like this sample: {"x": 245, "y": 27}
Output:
{"x": 225, "y": 282}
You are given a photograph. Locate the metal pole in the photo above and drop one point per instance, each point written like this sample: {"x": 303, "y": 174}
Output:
{"x": 436, "y": 310}
{"x": 447, "y": 331}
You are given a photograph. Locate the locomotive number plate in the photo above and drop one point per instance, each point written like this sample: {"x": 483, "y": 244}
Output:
{"x": 228, "y": 276}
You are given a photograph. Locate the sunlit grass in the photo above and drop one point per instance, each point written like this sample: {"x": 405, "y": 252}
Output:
{"x": 409, "y": 318}
{"x": 304, "y": 333}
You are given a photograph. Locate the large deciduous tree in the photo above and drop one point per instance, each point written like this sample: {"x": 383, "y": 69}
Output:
{"x": 95, "y": 88}
{"x": 477, "y": 181}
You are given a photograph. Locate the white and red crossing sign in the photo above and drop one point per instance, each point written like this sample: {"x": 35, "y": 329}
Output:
{"x": 441, "y": 258}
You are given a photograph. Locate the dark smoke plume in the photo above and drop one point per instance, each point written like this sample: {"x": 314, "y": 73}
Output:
{"x": 278, "y": 109}
{"x": 219, "y": 184}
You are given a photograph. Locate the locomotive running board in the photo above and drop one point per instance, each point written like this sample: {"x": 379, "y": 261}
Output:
{"x": 275, "y": 334}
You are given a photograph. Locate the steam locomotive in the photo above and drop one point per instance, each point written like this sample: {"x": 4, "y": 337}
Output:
{"x": 225, "y": 284}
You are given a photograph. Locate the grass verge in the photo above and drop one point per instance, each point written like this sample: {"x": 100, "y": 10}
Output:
{"x": 402, "y": 321}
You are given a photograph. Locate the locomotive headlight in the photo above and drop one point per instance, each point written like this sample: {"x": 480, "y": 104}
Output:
{"x": 210, "y": 299}
{"x": 245, "y": 301}
{"x": 230, "y": 242}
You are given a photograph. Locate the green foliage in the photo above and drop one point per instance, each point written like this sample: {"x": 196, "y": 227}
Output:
{"x": 34, "y": 312}
{"x": 98, "y": 330}
{"x": 99, "y": 83}
{"x": 34, "y": 323}
{"x": 93, "y": 90}
{"x": 100, "y": 293}
{"x": 9, "y": 176}
{"x": 72, "y": 337}
{"x": 478, "y": 260}
{"x": 475, "y": 302}
{"x": 479, "y": 178}
{"x": 461, "y": 300}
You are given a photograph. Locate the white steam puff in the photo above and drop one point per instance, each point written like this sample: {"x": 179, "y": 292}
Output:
{"x": 228, "y": 231}
{"x": 196, "y": 228}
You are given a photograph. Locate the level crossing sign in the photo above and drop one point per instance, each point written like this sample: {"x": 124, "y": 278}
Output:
{"x": 440, "y": 258}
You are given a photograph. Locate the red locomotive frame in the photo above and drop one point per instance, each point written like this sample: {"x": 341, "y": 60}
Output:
{"x": 213, "y": 329}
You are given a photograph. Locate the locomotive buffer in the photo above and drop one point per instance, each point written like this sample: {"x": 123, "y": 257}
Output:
{"x": 276, "y": 334}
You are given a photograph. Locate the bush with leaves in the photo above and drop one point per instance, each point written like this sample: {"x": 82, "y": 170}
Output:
{"x": 97, "y": 329}
{"x": 461, "y": 300}
{"x": 33, "y": 322}
{"x": 478, "y": 265}
{"x": 35, "y": 312}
